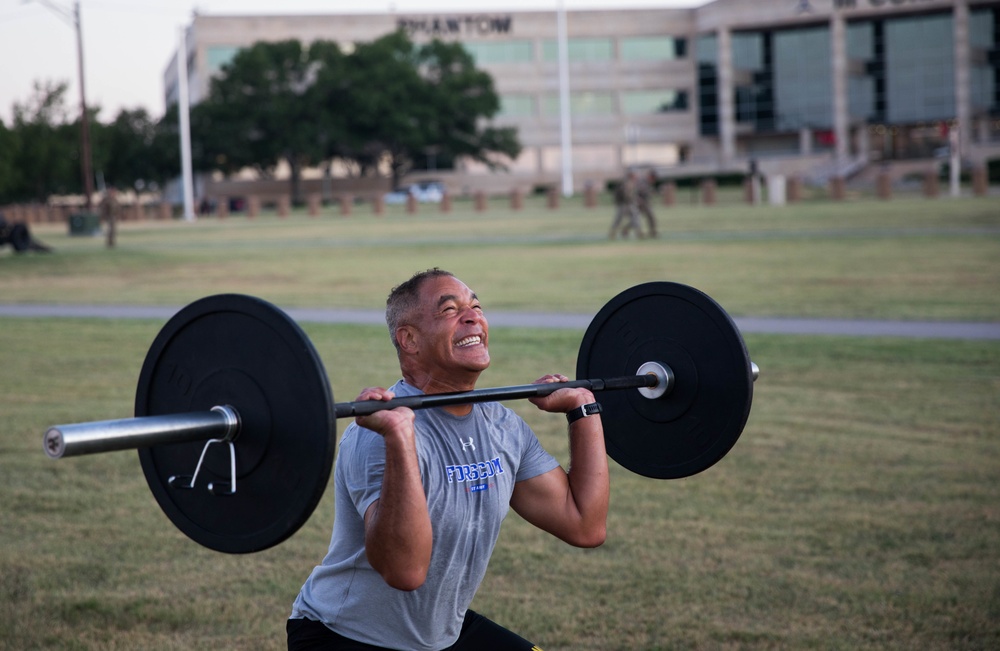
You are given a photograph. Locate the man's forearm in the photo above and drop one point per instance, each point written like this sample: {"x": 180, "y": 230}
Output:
{"x": 398, "y": 532}
{"x": 588, "y": 475}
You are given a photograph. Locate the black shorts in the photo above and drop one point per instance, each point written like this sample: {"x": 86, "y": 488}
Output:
{"x": 477, "y": 633}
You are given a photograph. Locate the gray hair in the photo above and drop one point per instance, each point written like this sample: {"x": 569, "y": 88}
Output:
{"x": 403, "y": 299}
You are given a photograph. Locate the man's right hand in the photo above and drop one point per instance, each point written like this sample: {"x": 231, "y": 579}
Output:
{"x": 385, "y": 421}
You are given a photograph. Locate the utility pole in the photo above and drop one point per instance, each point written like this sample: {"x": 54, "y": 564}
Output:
{"x": 73, "y": 18}
{"x": 85, "y": 163}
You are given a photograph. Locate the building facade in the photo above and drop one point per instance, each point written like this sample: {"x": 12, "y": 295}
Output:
{"x": 818, "y": 88}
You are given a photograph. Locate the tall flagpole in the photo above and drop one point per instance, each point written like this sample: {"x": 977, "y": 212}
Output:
{"x": 565, "y": 135}
{"x": 183, "y": 115}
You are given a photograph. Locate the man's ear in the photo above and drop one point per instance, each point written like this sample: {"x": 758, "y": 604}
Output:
{"x": 406, "y": 337}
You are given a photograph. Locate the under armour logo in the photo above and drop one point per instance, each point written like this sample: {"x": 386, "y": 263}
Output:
{"x": 465, "y": 445}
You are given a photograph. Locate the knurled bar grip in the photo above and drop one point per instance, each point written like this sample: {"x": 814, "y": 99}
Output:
{"x": 367, "y": 407}
{"x": 223, "y": 422}
{"x": 131, "y": 433}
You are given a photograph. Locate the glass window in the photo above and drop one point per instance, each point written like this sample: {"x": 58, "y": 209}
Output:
{"x": 580, "y": 49}
{"x": 653, "y": 101}
{"x": 748, "y": 50}
{"x": 860, "y": 40}
{"x": 706, "y": 51}
{"x": 984, "y": 73}
{"x": 981, "y": 29}
{"x": 803, "y": 79}
{"x": 651, "y": 48}
{"x": 494, "y": 52}
{"x": 218, "y": 56}
{"x": 581, "y": 104}
{"x": 707, "y": 48}
{"x": 919, "y": 68}
{"x": 516, "y": 106}
{"x": 861, "y": 98}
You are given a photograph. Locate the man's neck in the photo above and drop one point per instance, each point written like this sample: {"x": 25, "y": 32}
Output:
{"x": 430, "y": 383}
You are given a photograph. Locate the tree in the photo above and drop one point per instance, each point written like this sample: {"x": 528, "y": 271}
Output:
{"x": 127, "y": 150}
{"x": 388, "y": 103}
{"x": 462, "y": 100}
{"x": 10, "y": 178}
{"x": 330, "y": 92}
{"x": 47, "y": 147}
{"x": 407, "y": 101}
{"x": 258, "y": 113}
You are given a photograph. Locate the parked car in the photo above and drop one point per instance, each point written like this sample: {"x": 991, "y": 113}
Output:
{"x": 424, "y": 192}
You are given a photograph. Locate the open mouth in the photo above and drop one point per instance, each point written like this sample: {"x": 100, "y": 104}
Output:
{"x": 469, "y": 341}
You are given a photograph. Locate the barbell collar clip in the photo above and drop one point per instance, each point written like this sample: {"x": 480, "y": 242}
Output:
{"x": 664, "y": 380}
{"x": 222, "y": 489}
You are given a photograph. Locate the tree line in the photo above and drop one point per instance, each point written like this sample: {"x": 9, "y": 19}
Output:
{"x": 387, "y": 104}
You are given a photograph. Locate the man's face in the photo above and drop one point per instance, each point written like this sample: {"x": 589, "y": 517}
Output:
{"x": 450, "y": 329}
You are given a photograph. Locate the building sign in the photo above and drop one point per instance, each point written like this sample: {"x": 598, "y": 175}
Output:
{"x": 476, "y": 25}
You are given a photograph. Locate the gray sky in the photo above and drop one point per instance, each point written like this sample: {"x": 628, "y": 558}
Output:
{"x": 127, "y": 43}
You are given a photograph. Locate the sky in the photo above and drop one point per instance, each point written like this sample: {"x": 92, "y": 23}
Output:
{"x": 128, "y": 43}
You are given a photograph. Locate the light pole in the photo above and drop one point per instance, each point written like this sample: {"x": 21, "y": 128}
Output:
{"x": 73, "y": 18}
{"x": 565, "y": 131}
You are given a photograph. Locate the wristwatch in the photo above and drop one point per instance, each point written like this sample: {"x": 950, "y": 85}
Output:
{"x": 582, "y": 412}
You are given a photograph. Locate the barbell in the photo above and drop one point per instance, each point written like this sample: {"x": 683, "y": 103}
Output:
{"x": 235, "y": 422}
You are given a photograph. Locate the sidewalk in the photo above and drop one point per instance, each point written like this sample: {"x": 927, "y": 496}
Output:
{"x": 756, "y": 325}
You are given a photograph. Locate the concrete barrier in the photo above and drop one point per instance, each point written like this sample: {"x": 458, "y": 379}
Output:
{"x": 838, "y": 188}
{"x": 516, "y": 199}
{"x": 776, "y": 190}
{"x": 980, "y": 181}
{"x": 553, "y": 198}
{"x": 669, "y": 193}
{"x": 794, "y": 189}
{"x": 931, "y": 184}
{"x": 883, "y": 186}
{"x": 708, "y": 190}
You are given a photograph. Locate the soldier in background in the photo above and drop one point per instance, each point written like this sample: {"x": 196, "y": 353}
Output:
{"x": 644, "y": 195}
{"x": 110, "y": 208}
{"x": 626, "y": 209}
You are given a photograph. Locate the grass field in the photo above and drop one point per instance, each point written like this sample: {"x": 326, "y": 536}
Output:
{"x": 859, "y": 510}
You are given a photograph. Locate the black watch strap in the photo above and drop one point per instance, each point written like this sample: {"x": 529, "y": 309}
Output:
{"x": 582, "y": 412}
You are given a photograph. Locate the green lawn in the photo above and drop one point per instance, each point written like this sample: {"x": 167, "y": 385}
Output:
{"x": 860, "y": 509}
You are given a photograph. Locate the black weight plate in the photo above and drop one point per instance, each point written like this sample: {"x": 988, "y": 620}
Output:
{"x": 699, "y": 421}
{"x": 244, "y": 352}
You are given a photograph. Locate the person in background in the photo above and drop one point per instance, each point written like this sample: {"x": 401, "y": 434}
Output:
{"x": 626, "y": 210}
{"x": 644, "y": 196}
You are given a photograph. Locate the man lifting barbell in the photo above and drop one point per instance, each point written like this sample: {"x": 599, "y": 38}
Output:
{"x": 420, "y": 495}
{"x": 233, "y": 389}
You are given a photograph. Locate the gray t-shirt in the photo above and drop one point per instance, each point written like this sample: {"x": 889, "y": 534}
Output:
{"x": 468, "y": 465}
